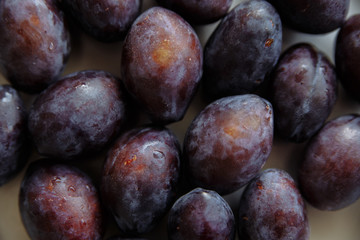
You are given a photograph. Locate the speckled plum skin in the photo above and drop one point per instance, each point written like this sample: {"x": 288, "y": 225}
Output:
{"x": 272, "y": 208}
{"x": 140, "y": 178}
{"x": 347, "y": 56}
{"x": 105, "y": 20}
{"x": 162, "y": 64}
{"x": 13, "y": 134}
{"x": 329, "y": 174}
{"x": 59, "y": 202}
{"x": 228, "y": 142}
{"x": 201, "y": 215}
{"x": 198, "y": 12}
{"x": 304, "y": 92}
{"x": 312, "y": 16}
{"x": 78, "y": 115}
{"x": 242, "y": 50}
{"x": 35, "y": 43}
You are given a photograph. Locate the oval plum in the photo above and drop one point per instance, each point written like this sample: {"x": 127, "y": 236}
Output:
{"x": 162, "y": 64}
{"x": 228, "y": 142}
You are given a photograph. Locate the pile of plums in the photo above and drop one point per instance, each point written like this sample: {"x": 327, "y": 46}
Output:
{"x": 253, "y": 91}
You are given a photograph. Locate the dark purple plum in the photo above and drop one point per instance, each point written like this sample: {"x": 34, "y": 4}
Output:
{"x": 228, "y": 142}
{"x": 272, "y": 208}
{"x": 304, "y": 92}
{"x": 201, "y": 215}
{"x": 59, "y": 202}
{"x": 347, "y": 56}
{"x": 77, "y": 115}
{"x": 105, "y": 20}
{"x": 312, "y": 16}
{"x": 140, "y": 178}
{"x": 329, "y": 174}
{"x": 242, "y": 50}
{"x": 162, "y": 64}
{"x": 199, "y": 12}
{"x": 14, "y": 147}
{"x": 35, "y": 43}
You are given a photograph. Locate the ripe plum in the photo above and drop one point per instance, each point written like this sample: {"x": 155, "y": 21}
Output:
{"x": 304, "y": 92}
{"x": 201, "y": 214}
{"x": 162, "y": 64}
{"x": 35, "y": 43}
{"x": 272, "y": 208}
{"x": 329, "y": 174}
{"x": 242, "y": 50}
{"x": 77, "y": 115}
{"x": 59, "y": 202}
{"x": 140, "y": 178}
{"x": 228, "y": 142}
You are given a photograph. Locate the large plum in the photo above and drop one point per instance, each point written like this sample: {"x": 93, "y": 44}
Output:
{"x": 304, "y": 92}
{"x": 14, "y": 147}
{"x": 35, "y": 43}
{"x": 228, "y": 142}
{"x": 272, "y": 208}
{"x": 162, "y": 64}
{"x": 140, "y": 178}
{"x": 77, "y": 115}
{"x": 60, "y": 202}
{"x": 242, "y": 50}
{"x": 329, "y": 174}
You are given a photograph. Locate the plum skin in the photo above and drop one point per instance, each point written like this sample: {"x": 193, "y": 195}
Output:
{"x": 14, "y": 143}
{"x": 347, "y": 56}
{"x": 330, "y": 170}
{"x": 243, "y": 126}
{"x": 201, "y": 214}
{"x": 140, "y": 178}
{"x": 35, "y": 43}
{"x": 78, "y": 115}
{"x": 304, "y": 92}
{"x": 59, "y": 201}
{"x": 272, "y": 207}
{"x": 162, "y": 54}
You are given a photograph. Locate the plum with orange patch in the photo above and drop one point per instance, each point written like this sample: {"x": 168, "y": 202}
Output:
{"x": 162, "y": 64}
{"x": 228, "y": 142}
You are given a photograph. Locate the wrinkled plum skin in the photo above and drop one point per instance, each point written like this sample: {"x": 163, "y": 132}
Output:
{"x": 242, "y": 50}
{"x": 59, "y": 202}
{"x": 198, "y": 12}
{"x": 312, "y": 16}
{"x": 77, "y": 115}
{"x": 35, "y": 43}
{"x": 140, "y": 178}
{"x": 106, "y": 20}
{"x": 232, "y": 135}
{"x": 329, "y": 174}
{"x": 201, "y": 215}
{"x": 163, "y": 55}
{"x": 120, "y": 238}
{"x": 13, "y": 133}
{"x": 304, "y": 91}
{"x": 347, "y": 56}
{"x": 272, "y": 207}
